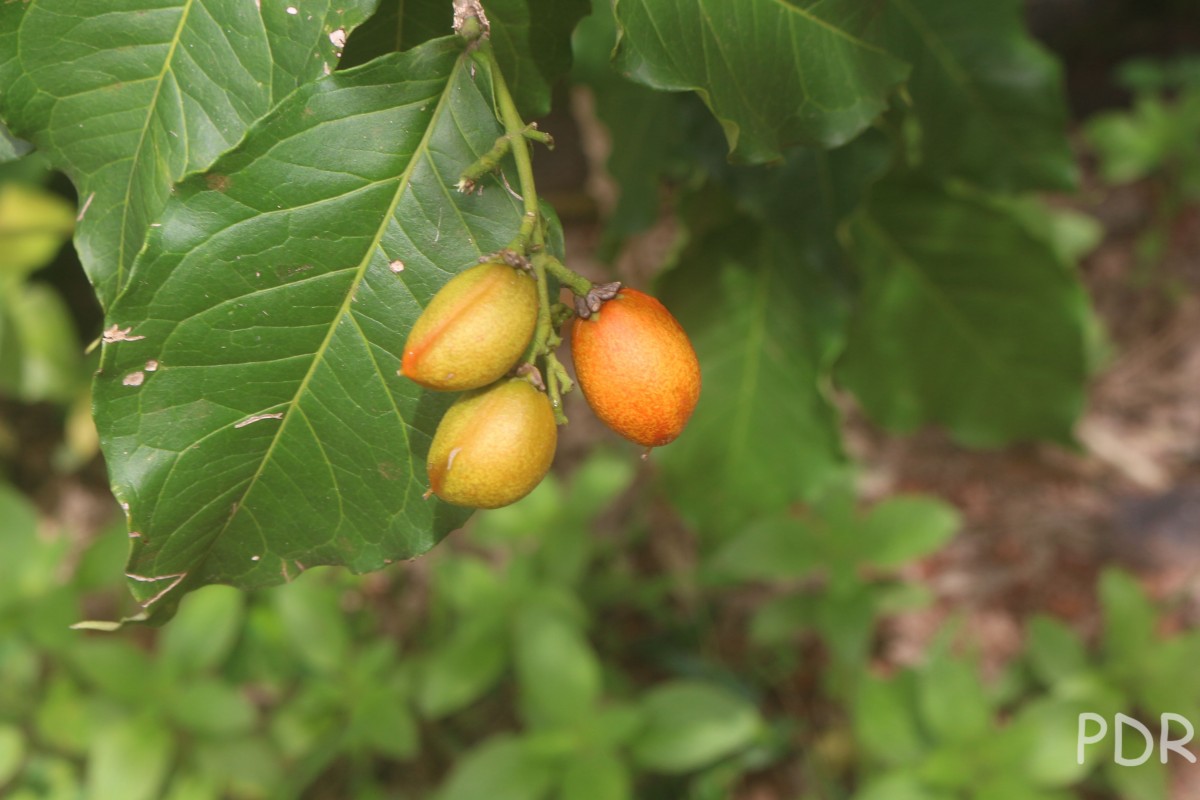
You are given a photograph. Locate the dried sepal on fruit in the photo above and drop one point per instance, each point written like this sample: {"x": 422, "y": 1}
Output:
{"x": 637, "y": 368}
{"x": 493, "y": 446}
{"x": 474, "y": 330}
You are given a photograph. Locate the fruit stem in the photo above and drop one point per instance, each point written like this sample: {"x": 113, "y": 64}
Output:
{"x": 530, "y": 239}
{"x": 578, "y": 284}
{"x": 558, "y": 383}
{"x": 515, "y": 132}
{"x": 517, "y": 136}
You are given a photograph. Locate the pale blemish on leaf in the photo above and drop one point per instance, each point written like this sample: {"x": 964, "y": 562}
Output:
{"x": 175, "y": 580}
{"x": 86, "y": 204}
{"x": 116, "y": 333}
{"x": 134, "y": 378}
{"x": 258, "y": 418}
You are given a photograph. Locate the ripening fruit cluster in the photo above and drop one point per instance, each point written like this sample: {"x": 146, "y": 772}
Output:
{"x": 635, "y": 366}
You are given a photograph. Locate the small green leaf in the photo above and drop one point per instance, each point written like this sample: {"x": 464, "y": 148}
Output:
{"x": 900, "y": 786}
{"x": 503, "y": 768}
{"x": 117, "y": 668}
{"x": 34, "y": 224}
{"x": 689, "y": 724}
{"x": 1050, "y": 728}
{"x": 39, "y": 348}
{"x": 311, "y": 614}
{"x": 18, "y": 540}
{"x": 202, "y": 635}
{"x": 1172, "y": 682}
{"x": 779, "y": 547}
{"x": 773, "y": 73}
{"x": 885, "y": 719}
{"x": 1054, "y": 650}
{"x": 599, "y": 775}
{"x": 129, "y": 759}
{"x": 1132, "y": 144}
{"x": 66, "y": 718}
{"x": 902, "y": 529}
{"x": 381, "y": 720}
{"x": 187, "y": 786}
{"x": 1146, "y": 781}
{"x": 846, "y": 617}
{"x": 953, "y": 704}
{"x": 247, "y": 765}
{"x": 460, "y": 670}
{"x": 558, "y": 673}
{"x": 208, "y": 707}
{"x": 780, "y": 619}
{"x": 597, "y": 482}
{"x": 1129, "y": 623}
{"x": 12, "y": 752}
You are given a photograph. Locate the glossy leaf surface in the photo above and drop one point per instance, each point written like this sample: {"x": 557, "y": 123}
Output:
{"x": 250, "y": 407}
{"x": 128, "y": 96}
{"x": 773, "y": 73}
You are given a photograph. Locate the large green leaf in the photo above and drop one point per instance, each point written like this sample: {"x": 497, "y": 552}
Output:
{"x": 689, "y": 724}
{"x": 398, "y": 25}
{"x": 774, "y": 73}
{"x": 759, "y": 291}
{"x": 967, "y": 318}
{"x": 989, "y": 98}
{"x": 764, "y": 433}
{"x": 127, "y": 96}
{"x": 502, "y": 768}
{"x": 248, "y": 400}
{"x": 531, "y": 39}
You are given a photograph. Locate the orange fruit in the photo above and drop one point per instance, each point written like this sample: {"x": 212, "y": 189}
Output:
{"x": 637, "y": 368}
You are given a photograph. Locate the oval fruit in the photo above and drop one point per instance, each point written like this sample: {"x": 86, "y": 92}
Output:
{"x": 474, "y": 330}
{"x": 493, "y": 446}
{"x": 636, "y": 368}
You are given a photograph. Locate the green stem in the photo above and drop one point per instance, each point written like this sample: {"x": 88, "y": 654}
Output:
{"x": 569, "y": 278}
{"x": 514, "y": 129}
{"x": 531, "y": 237}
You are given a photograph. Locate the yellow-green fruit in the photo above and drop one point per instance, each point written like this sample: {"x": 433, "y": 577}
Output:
{"x": 474, "y": 330}
{"x": 493, "y": 446}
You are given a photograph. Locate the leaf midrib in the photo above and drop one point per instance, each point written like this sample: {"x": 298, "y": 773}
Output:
{"x": 136, "y": 156}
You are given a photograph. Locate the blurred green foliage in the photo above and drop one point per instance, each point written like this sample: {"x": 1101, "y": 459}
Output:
{"x": 529, "y": 659}
{"x": 1154, "y": 141}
